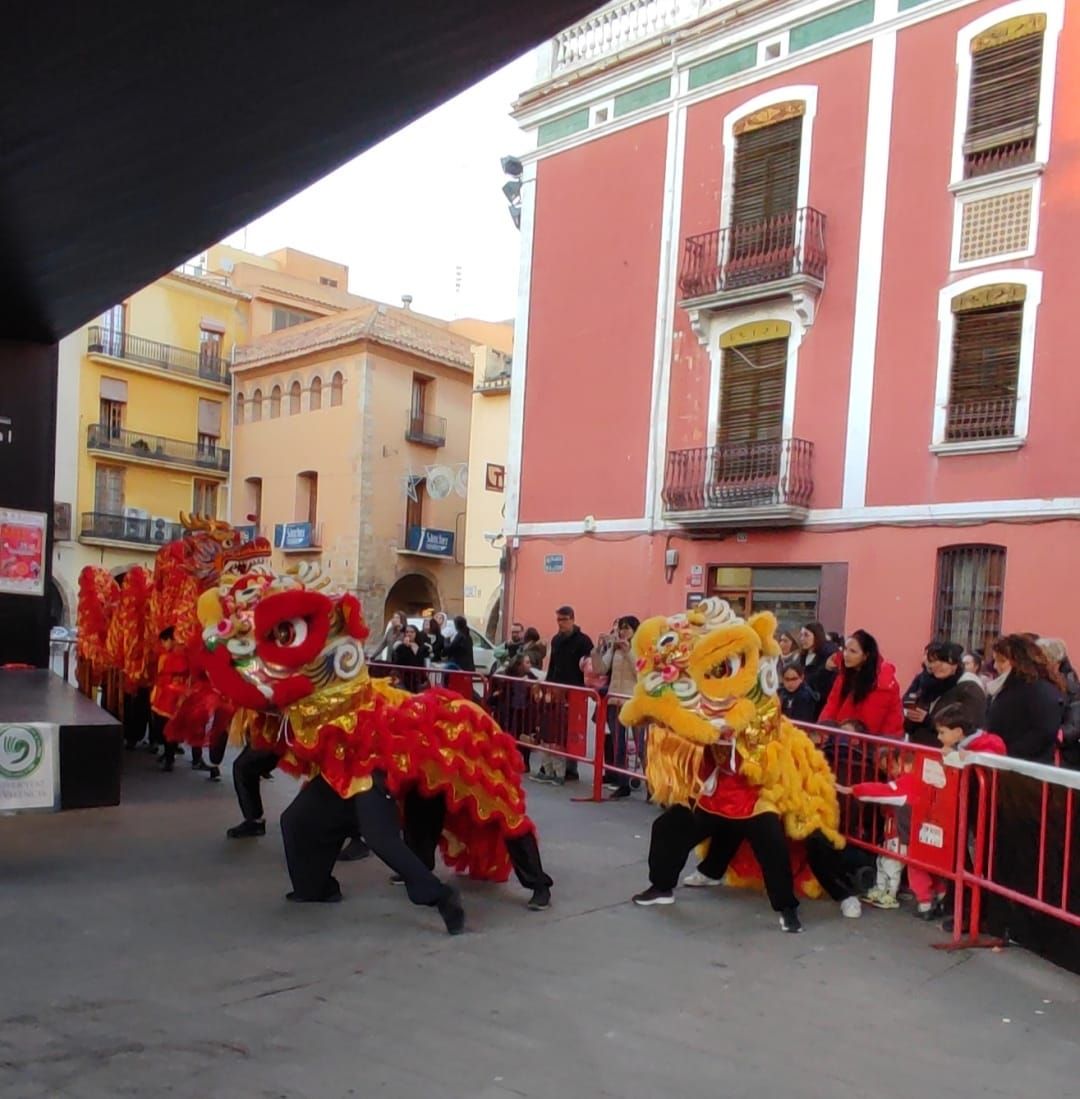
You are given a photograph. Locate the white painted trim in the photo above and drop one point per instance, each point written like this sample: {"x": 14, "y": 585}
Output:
{"x": 968, "y": 512}
{"x": 871, "y": 253}
{"x": 1032, "y": 280}
{"x": 969, "y": 196}
{"x": 766, "y": 41}
{"x": 808, "y": 93}
{"x": 670, "y": 246}
{"x": 515, "y": 438}
{"x": 1054, "y": 10}
{"x": 977, "y": 446}
{"x": 577, "y": 527}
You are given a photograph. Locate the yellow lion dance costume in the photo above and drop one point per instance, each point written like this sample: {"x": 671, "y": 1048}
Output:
{"x": 739, "y": 779}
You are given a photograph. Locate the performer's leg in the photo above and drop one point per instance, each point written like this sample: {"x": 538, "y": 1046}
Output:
{"x": 376, "y": 813}
{"x": 314, "y": 827}
{"x": 766, "y": 835}
{"x": 247, "y": 771}
{"x": 828, "y": 867}
{"x": 675, "y": 833}
{"x": 424, "y": 817}
{"x": 524, "y": 854}
{"x": 725, "y": 839}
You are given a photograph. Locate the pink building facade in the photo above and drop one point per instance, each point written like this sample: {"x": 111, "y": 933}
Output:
{"x": 797, "y": 317}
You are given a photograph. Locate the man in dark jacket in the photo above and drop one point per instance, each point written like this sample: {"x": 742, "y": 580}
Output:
{"x": 568, "y": 647}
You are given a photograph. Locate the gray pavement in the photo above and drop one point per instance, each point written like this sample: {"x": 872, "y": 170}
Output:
{"x": 141, "y": 954}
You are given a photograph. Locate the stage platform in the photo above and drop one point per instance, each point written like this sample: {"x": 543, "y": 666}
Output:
{"x": 90, "y": 740}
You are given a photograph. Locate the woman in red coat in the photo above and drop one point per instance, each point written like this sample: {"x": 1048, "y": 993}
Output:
{"x": 866, "y": 690}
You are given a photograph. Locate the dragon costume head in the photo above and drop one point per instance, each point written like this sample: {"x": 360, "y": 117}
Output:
{"x": 273, "y": 640}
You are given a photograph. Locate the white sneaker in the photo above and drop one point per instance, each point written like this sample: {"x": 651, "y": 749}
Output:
{"x": 850, "y": 908}
{"x": 697, "y": 880}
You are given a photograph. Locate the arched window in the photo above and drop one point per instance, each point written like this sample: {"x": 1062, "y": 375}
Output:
{"x": 294, "y": 398}
{"x": 315, "y": 398}
{"x": 275, "y": 402}
{"x": 256, "y": 406}
{"x": 337, "y": 384}
{"x": 239, "y": 408}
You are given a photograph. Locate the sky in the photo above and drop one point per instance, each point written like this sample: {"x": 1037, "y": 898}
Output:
{"x": 423, "y": 212}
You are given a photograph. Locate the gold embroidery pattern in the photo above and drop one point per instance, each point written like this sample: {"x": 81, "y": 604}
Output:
{"x": 1008, "y": 31}
{"x": 983, "y": 297}
{"x": 770, "y": 115}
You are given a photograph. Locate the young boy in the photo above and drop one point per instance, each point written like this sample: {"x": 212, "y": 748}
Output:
{"x": 956, "y": 733}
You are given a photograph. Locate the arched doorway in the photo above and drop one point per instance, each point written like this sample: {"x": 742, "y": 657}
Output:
{"x": 412, "y": 594}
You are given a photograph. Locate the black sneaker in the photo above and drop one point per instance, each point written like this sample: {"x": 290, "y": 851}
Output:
{"x": 215, "y": 775}
{"x": 540, "y": 899}
{"x": 789, "y": 921}
{"x": 333, "y": 896}
{"x": 452, "y": 912}
{"x": 396, "y": 879}
{"x": 248, "y": 828}
{"x": 652, "y": 895}
{"x": 619, "y": 792}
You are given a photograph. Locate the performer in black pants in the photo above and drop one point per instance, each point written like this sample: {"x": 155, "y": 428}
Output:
{"x": 676, "y": 832}
{"x": 250, "y": 767}
{"x": 317, "y": 823}
{"x": 424, "y": 817}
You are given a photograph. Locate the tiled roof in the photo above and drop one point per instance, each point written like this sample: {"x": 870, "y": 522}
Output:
{"x": 379, "y": 323}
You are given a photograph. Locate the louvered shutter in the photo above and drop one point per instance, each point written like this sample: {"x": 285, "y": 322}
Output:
{"x": 763, "y": 203}
{"x": 985, "y": 370}
{"x": 1003, "y": 110}
{"x": 766, "y": 171}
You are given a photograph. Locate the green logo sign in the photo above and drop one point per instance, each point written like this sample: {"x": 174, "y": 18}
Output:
{"x": 21, "y": 750}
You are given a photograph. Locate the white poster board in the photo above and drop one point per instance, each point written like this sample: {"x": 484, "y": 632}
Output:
{"x": 29, "y": 766}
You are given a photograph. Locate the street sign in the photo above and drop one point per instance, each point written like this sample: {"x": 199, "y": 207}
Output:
{"x": 554, "y": 562}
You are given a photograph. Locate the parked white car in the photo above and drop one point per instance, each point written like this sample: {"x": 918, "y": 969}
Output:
{"x": 483, "y": 649}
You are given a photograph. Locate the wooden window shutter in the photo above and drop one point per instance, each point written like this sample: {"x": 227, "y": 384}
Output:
{"x": 766, "y": 173}
{"x": 1003, "y": 109}
{"x": 985, "y": 371}
{"x": 752, "y": 392}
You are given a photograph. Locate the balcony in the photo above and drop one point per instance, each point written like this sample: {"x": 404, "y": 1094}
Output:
{"x": 764, "y": 484}
{"x": 970, "y": 421}
{"x": 621, "y": 26}
{"x": 777, "y": 256}
{"x": 140, "y": 447}
{"x": 148, "y": 531}
{"x": 202, "y": 366}
{"x": 425, "y": 429}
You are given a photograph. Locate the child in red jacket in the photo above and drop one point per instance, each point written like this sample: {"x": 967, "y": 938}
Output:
{"x": 957, "y": 734}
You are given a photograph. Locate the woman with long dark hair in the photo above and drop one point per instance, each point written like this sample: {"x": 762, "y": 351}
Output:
{"x": 866, "y": 689}
{"x": 815, "y": 659}
{"x": 1026, "y": 700}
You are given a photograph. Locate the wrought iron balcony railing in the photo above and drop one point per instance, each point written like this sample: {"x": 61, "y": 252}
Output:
{"x": 993, "y": 418}
{"x": 754, "y": 253}
{"x": 137, "y": 444}
{"x": 740, "y": 476}
{"x": 148, "y": 530}
{"x": 206, "y": 364}
{"x": 425, "y": 429}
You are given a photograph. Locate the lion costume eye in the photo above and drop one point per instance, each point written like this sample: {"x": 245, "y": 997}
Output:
{"x": 726, "y": 668}
{"x": 290, "y": 632}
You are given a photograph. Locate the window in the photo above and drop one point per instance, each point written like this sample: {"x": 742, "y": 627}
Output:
{"x": 970, "y": 594}
{"x": 792, "y": 594}
{"x": 985, "y": 370}
{"x": 418, "y": 407}
{"x": 111, "y": 418}
{"x": 204, "y": 498}
{"x": 414, "y": 505}
{"x": 109, "y": 490}
{"x": 765, "y": 190}
{"x": 256, "y": 406}
{"x": 253, "y": 499}
{"x": 337, "y": 384}
{"x": 287, "y": 318}
{"x": 1003, "y": 102}
{"x": 324, "y": 281}
{"x": 294, "y": 398}
{"x": 210, "y": 349}
{"x": 239, "y": 418}
{"x": 209, "y": 428}
{"x": 315, "y": 395}
{"x": 307, "y": 497}
{"x": 275, "y": 402}
{"x": 113, "y": 327}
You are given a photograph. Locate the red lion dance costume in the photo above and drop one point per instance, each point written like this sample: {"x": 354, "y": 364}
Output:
{"x": 287, "y": 652}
